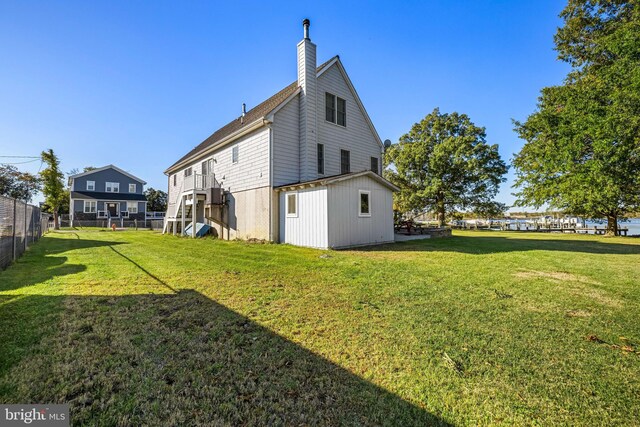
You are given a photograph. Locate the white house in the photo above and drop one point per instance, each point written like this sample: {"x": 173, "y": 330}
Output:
{"x": 302, "y": 167}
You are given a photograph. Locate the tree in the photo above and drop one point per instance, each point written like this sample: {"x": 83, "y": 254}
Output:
{"x": 53, "y": 185}
{"x": 18, "y": 185}
{"x": 156, "y": 200}
{"x": 444, "y": 164}
{"x": 582, "y": 150}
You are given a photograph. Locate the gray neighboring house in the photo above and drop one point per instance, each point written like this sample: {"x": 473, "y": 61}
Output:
{"x": 106, "y": 193}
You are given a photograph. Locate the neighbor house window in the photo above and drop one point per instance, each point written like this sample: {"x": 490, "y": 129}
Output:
{"x": 364, "y": 203}
{"x": 132, "y": 207}
{"x": 90, "y": 206}
{"x": 335, "y": 109}
{"x": 292, "y": 204}
{"x": 132, "y": 188}
{"x": 345, "y": 161}
{"x": 374, "y": 164}
{"x": 91, "y": 185}
{"x": 112, "y": 187}
{"x": 321, "y": 158}
{"x": 188, "y": 171}
{"x": 234, "y": 154}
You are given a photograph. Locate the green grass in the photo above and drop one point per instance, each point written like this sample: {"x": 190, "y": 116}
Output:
{"x": 484, "y": 328}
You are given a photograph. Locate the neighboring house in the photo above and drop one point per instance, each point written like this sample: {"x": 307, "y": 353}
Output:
{"x": 106, "y": 192}
{"x": 303, "y": 167}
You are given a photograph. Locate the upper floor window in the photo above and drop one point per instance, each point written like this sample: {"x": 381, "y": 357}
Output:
{"x": 188, "y": 171}
{"x": 321, "y": 159}
{"x": 335, "y": 109}
{"x": 175, "y": 179}
{"x": 112, "y": 187}
{"x": 234, "y": 154}
{"x": 132, "y": 188}
{"x": 345, "y": 161}
{"x": 91, "y": 185}
{"x": 374, "y": 165}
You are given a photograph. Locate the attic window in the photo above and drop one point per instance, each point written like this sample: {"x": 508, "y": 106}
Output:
{"x": 188, "y": 171}
{"x": 91, "y": 185}
{"x": 335, "y": 109}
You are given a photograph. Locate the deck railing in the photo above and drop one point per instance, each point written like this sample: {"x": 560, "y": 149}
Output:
{"x": 198, "y": 181}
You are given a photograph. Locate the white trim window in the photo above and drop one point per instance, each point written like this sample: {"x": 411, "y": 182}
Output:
{"x": 132, "y": 188}
{"x": 91, "y": 186}
{"x": 90, "y": 206}
{"x": 132, "y": 207}
{"x": 112, "y": 187}
{"x": 291, "y": 205}
{"x": 364, "y": 203}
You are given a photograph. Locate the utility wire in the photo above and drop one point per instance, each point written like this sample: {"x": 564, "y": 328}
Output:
{"x": 20, "y": 163}
{"x": 22, "y": 157}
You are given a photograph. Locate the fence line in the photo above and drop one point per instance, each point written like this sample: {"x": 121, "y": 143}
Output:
{"x": 21, "y": 225}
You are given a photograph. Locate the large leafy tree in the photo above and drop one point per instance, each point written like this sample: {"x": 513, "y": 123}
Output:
{"x": 156, "y": 200}
{"x": 53, "y": 185}
{"x": 17, "y": 184}
{"x": 582, "y": 151}
{"x": 444, "y": 163}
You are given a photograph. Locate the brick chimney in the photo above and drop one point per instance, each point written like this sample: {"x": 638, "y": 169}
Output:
{"x": 308, "y": 105}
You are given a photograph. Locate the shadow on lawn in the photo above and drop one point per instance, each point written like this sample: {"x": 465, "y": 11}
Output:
{"x": 184, "y": 359}
{"x": 490, "y": 245}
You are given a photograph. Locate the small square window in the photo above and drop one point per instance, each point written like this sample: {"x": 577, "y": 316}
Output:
{"x": 91, "y": 185}
{"x": 234, "y": 154}
{"x": 132, "y": 188}
{"x": 364, "y": 203}
{"x": 292, "y": 204}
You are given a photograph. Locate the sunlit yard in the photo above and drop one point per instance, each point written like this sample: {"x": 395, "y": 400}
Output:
{"x": 483, "y": 328}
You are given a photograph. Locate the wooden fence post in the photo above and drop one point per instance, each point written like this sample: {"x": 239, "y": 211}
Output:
{"x": 13, "y": 229}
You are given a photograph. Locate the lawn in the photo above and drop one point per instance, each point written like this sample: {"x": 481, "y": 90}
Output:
{"x": 484, "y": 328}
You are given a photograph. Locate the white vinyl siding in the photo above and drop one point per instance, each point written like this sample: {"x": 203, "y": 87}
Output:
{"x": 112, "y": 187}
{"x": 346, "y": 226}
{"x": 309, "y": 227}
{"x": 254, "y": 149}
{"x": 355, "y": 137}
{"x": 286, "y": 144}
{"x": 90, "y": 206}
{"x": 91, "y": 185}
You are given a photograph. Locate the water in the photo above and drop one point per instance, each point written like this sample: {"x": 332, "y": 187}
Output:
{"x": 632, "y": 224}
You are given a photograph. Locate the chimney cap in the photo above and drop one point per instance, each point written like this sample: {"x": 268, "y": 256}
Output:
{"x": 305, "y": 25}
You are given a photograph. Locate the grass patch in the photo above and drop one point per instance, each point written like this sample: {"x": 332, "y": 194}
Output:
{"x": 482, "y": 328}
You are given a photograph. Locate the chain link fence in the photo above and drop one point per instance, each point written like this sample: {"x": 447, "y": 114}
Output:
{"x": 21, "y": 225}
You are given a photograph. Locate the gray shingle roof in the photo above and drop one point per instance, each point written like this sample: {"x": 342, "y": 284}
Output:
{"x": 257, "y": 112}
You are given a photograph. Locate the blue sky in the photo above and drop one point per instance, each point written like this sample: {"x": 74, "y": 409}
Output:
{"x": 138, "y": 84}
